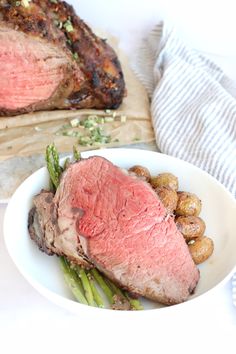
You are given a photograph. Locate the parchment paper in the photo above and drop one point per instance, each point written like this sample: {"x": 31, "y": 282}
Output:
{"x": 23, "y": 139}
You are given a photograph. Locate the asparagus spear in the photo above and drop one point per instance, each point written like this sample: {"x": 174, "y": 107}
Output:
{"x": 66, "y": 163}
{"x": 73, "y": 281}
{"x": 112, "y": 291}
{"x": 134, "y": 303}
{"x": 76, "y": 153}
{"x": 86, "y": 285}
{"x": 101, "y": 282}
{"x": 55, "y": 157}
{"x": 114, "y": 288}
{"x": 98, "y": 299}
{"x": 52, "y": 160}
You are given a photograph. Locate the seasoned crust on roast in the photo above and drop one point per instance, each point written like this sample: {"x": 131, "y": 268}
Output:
{"x": 93, "y": 77}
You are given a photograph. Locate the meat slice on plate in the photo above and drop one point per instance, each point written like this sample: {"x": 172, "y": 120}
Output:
{"x": 104, "y": 216}
{"x": 50, "y": 59}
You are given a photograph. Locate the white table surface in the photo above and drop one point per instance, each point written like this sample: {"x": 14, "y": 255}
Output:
{"x": 30, "y": 323}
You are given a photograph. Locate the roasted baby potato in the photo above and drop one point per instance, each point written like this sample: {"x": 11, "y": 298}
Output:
{"x": 165, "y": 180}
{"x": 201, "y": 249}
{"x": 188, "y": 204}
{"x": 190, "y": 227}
{"x": 141, "y": 171}
{"x": 168, "y": 198}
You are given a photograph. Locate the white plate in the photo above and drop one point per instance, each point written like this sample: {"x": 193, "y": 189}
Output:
{"x": 43, "y": 272}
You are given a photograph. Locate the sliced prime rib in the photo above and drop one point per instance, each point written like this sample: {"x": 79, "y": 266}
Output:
{"x": 102, "y": 216}
{"x": 50, "y": 59}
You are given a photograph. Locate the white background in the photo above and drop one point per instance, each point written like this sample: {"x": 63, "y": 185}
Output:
{"x": 206, "y": 25}
{"x": 31, "y": 324}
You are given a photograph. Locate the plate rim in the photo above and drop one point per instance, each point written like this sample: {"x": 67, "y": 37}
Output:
{"x": 72, "y": 305}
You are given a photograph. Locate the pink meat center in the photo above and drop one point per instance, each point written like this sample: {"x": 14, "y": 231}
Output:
{"x": 125, "y": 224}
{"x": 30, "y": 70}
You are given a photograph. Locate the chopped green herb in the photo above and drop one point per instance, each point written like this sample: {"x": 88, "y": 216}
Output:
{"x": 75, "y": 122}
{"x": 71, "y": 133}
{"x": 95, "y": 137}
{"x": 17, "y": 3}
{"x": 123, "y": 119}
{"x": 84, "y": 140}
{"x": 109, "y": 119}
{"x": 25, "y": 3}
{"x": 88, "y": 131}
{"x": 54, "y": 1}
{"x": 66, "y": 126}
{"x": 100, "y": 120}
{"x": 68, "y": 26}
{"x": 89, "y": 122}
{"x": 98, "y": 136}
{"x": 92, "y": 117}
{"x": 75, "y": 56}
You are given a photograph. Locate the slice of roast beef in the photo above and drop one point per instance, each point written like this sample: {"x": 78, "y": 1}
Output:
{"x": 118, "y": 223}
{"x": 49, "y": 59}
{"x": 44, "y": 230}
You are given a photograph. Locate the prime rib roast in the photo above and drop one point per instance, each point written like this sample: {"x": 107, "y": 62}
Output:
{"x": 50, "y": 59}
{"x": 102, "y": 216}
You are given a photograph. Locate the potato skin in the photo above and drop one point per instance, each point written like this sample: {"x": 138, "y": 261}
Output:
{"x": 201, "y": 249}
{"x": 168, "y": 198}
{"x": 190, "y": 226}
{"x": 165, "y": 180}
{"x": 141, "y": 171}
{"x": 188, "y": 204}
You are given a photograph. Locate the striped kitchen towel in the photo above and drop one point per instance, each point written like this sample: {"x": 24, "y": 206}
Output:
{"x": 193, "y": 104}
{"x": 234, "y": 288}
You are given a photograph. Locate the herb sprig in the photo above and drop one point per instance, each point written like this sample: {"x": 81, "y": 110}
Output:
{"x": 90, "y": 131}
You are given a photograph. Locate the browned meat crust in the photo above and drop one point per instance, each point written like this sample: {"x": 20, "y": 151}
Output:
{"x": 96, "y": 72}
{"x": 96, "y": 58}
{"x": 43, "y": 228}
